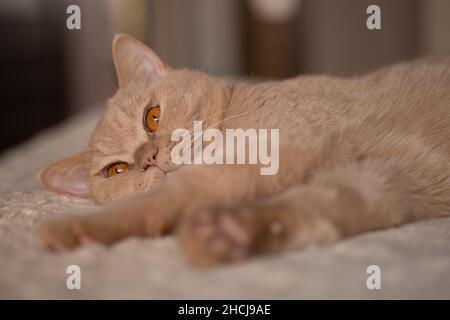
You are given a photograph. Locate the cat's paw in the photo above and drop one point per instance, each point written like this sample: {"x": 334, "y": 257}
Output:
{"x": 66, "y": 233}
{"x": 60, "y": 234}
{"x": 218, "y": 235}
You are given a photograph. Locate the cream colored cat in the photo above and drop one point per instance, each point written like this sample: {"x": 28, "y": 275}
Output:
{"x": 356, "y": 155}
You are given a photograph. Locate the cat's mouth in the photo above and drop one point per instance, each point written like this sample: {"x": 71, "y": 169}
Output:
{"x": 155, "y": 167}
{"x": 161, "y": 169}
{"x": 164, "y": 171}
{"x": 167, "y": 172}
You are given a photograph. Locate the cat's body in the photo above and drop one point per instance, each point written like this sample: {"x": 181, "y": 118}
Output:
{"x": 356, "y": 155}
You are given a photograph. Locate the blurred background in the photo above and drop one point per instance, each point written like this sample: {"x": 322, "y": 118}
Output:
{"x": 48, "y": 73}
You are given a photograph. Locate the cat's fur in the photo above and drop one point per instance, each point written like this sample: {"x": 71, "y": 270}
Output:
{"x": 356, "y": 154}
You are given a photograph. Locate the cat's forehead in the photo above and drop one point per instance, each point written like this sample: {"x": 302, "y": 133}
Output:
{"x": 117, "y": 133}
{"x": 130, "y": 100}
{"x": 177, "y": 83}
{"x": 121, "y": 128}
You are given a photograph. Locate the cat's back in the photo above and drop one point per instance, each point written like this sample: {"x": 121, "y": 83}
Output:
{"x": 410, "y": 98}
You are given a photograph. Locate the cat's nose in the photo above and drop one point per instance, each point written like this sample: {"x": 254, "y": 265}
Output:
{"x": 145, "y": 155}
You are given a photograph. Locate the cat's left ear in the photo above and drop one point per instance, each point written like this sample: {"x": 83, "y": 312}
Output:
{"x": 135, "y": 61}
{"x": 69, "y": 175}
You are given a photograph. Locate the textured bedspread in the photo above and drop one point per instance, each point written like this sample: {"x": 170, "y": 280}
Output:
{"x": 414, "y": 259}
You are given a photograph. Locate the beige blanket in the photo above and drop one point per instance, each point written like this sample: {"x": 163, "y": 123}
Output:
{"x": 414, "y": 259}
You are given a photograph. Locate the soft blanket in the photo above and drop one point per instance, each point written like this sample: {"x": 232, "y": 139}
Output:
{"x": 414, "y": 259}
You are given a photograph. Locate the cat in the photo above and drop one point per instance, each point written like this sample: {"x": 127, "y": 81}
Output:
{"x": 357, "y": 154}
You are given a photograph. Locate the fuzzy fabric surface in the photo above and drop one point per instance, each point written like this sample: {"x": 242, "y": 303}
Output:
{"x": 414, "y": 259}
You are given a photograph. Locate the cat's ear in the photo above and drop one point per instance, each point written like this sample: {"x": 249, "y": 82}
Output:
{"x": 135, "y": 61}
{"x": 69, "y": 175}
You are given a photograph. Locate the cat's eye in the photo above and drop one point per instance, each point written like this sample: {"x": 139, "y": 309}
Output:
{"x": 151, "y": 118}
{"x": 115, "y": 169}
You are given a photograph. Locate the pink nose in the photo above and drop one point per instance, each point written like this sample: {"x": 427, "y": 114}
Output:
{"x": 145, "y": 155}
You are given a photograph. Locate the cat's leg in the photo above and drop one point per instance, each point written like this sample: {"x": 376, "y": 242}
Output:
{"x": 337, "y": 202}
{"x": 104, "y": 226}
{"x": 155, "y": 213}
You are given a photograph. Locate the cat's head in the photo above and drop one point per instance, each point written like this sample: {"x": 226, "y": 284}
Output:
{"x": 129, "y": 151}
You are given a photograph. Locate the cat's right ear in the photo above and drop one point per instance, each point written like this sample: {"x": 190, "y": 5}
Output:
{"x": 133, "y": 60}
{"x": 69, "y": 175}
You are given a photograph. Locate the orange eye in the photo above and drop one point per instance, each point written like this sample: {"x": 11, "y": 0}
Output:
{"x": 151, "y": 118}
{"x": 116, "y": 168}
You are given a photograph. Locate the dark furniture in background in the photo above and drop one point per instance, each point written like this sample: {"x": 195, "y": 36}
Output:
{"x": 32, "y": 88}
{"x": 48, "y": 72}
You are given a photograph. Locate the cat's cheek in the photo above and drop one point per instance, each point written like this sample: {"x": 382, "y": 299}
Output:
{"x": 106, "y": 190}
{"x": 111, "y": 189}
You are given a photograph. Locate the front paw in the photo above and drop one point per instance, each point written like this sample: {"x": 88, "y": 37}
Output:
{"x": 63, "y": 233}
{"x": 69, "y": 232}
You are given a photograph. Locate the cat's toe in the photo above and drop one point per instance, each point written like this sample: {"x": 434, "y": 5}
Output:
{"x": 60, "y": 234}
{"x": 217, "y": 236}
